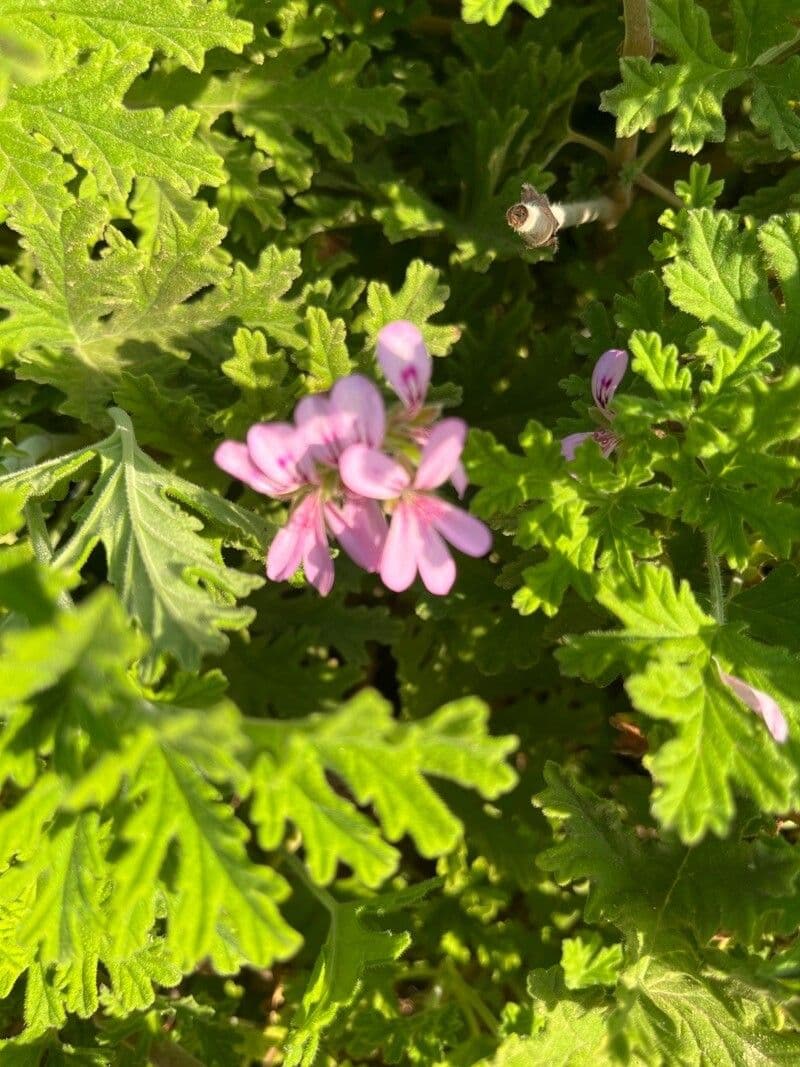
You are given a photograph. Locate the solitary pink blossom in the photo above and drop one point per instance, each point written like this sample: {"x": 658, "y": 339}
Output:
{"x": 761, "y": 703}
{"x": 606, "y": 377}
{"x": 421, "y": 522}
{"x": 345, "y": 462}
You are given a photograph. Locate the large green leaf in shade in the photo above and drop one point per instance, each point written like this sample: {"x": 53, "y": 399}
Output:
{"x": 169, "y": 576}
{"x": 355, "y": 946}
{"x": 325, "y": 103}
{"x": 669, "y": 650}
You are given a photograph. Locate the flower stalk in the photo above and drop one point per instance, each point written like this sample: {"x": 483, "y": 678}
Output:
{"x": 715, "y": 582}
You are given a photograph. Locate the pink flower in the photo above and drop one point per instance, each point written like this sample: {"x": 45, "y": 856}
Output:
{"x": 421, "y": 522}
{"x": 407, "y": 364}
{"x": 344, "y": 462}
{"x": 761, "y": 703}
{"x": 606, "y": 377}
{"x": 281, "y": 460}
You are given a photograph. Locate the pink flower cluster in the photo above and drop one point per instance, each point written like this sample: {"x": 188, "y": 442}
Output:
{"x": 346, "y": 464}
{"x": 607, "y": 374}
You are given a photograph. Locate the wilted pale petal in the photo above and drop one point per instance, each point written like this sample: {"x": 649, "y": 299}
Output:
{"x": 572, "y": 442}
{"x": 360, "y": 402}
{"x": 441, "y": 453}
{"x": 233, "y": 457}
{"x": 360, "y": 528}
{"x": 459, "y": 479}
{"x": 372, "y": 474}
{"x": 275, "y": 448}
{"x": 606, "y": 376}
{"x": 761, "y": 703}
{"x": 405, "y": 361}
{"x": 464, "y": 532}
{"x": 436, "y": 567}
{"x": 399, "y": 560}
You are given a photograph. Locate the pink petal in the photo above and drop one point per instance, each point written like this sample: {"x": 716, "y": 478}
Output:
{"x": 317, "y": 562}
{"x": 275, "y": 448}
{"x": 405, "y": 361}
{"x": 436, "y": 567}
{"x": 606, "y": 376}
{"x": 359, "y": 400}
{"x": 291, "y": 543}
{"x": 459, "y": 480}
{"x": 464, "y": 532}
{"x": 360, "y": 528}
{"x": 311, "y": 407}
{"x": 284, "y": 554}
{"x": 234, "y": 458}
{"x": 399, "y": 559}
{"x": 372, "y": 474}
{"x": 571, "y": 443}
{"x": 441, "y": 453}
{"x": 761, "y": 703}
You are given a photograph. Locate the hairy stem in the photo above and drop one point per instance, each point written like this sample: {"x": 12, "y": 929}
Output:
{"x": 644, "y": 181}
{"x": 715, "y": 581}
{"x": 638, "y": 42}
{"x": 40, "y": 542}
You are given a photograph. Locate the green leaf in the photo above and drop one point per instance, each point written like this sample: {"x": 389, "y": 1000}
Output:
{"x": 326, "y": 102}
{"x": 678, "y": 1017}
{"x": 183, "y": 29}
{"x": 771, "y": 609}
{"x": 354, "y": 947}
{"x": 588, "y": 962}
{"x": 326, "y": 357}
{"x": 170, "y": 578}
{"x": 384, "y": 765}
{"x": 695, "y": 86}
{"x": 667, "y": 650}
{"x": 492, "y": 11}
{"x": 420, "y": 298}
{"x": 80, "y": 113}
{"x": 220, "y": 904}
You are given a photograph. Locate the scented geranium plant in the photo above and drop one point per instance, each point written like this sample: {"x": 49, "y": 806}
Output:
{"x": 480, "y": 319}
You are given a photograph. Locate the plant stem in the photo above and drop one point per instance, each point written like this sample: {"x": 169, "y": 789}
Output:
{"x": 302, "y": 875}
{"x": 40, "y": 542}
{"x": 715, "y": 582}
{"x": 469, "y": 1000}
{"x": 638, "y": 42}
{"x": 654, "y": 146}
{"x": 640, "y": 179}
{"x": 659, "y": 190}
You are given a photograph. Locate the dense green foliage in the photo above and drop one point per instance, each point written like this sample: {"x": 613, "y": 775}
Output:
{"x": 525, "y": 823}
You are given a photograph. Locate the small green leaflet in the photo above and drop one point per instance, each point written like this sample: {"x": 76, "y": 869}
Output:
{"x": 492, "y": 11}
